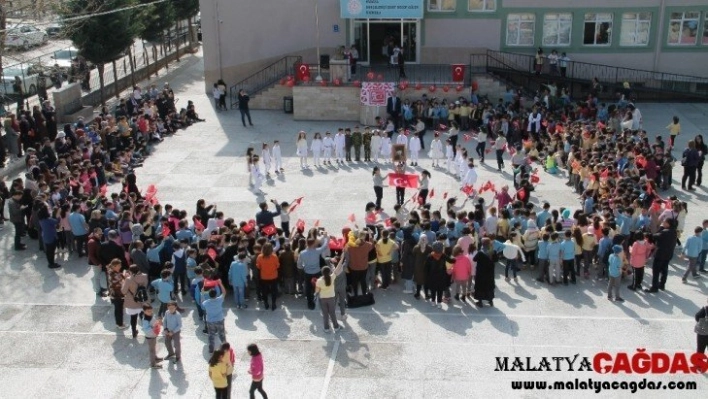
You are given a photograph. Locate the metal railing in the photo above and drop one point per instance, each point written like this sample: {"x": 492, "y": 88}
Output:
{"x": 265, "y": 77}
{"x": 426, "y": 74}
{"x": 611, "y": 77}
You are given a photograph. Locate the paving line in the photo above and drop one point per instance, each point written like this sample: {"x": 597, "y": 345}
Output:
{"x": 406, "y": 312}
{"x": 337, "y": 343}
{"x": 330, "y": 370}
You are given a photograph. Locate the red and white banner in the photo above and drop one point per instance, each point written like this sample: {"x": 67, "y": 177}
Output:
{"x": 376, "y": 93}
{"x": 402, "y": 180}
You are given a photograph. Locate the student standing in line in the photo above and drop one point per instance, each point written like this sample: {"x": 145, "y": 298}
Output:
{"x": 230, "y": 359}
{"x": 172, "y": 322}
{"x": 615, "y": 273}
{"x": 151, "y": 326}
{"x": 256, "y": 372}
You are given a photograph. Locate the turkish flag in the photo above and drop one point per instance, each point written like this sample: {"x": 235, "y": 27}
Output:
{"x": 166, "y": 230}
{"x": 432, "y": 193}
{"x": 403, "y": 180}
{"x": 296, "y": 202}
{"x": 317, "y": 223}
{"x": 302, "y": 71}
{"x": 352, "y": 218}
{"x": 458, "y": 72}
{"x": 198, "y": 225}
{"x": 269, "y": 230}
{"x": 300, "y": 224}
{"x": 211, "y": 252}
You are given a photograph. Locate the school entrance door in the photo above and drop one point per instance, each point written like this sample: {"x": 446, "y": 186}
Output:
{"x": 375, "y": 39}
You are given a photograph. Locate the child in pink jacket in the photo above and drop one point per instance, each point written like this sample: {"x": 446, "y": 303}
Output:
{"x": 639, "y": 252}
{"x": 461, "y": 272}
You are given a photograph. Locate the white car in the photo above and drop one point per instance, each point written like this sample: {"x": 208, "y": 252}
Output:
{"x": 25, "y": 36}
{"x": 29, "y": 76}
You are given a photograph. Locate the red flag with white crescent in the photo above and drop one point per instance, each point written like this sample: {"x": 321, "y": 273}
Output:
{"x": 402, "y": 180}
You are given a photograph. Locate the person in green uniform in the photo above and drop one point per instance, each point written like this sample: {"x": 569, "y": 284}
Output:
{"x": 367, "y": 144}
{"x": 356, "y": 142}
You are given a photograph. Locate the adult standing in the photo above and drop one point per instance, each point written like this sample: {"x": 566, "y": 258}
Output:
{"x": 325, "y": 288}
{"x": 701, "y": 330}
{"x": 17, "y": 217}
{"x": 384, "y": 255}
{"x": 268, "y": 265}
{"x": 213, "y": 306}
{"x": 407, "y": 259}
{"x": 132, "y": 295}
{"x": 172, "y": 323}
{"x": 223, "y": 89}
{"x": 665, "y": 242}
{"x": 354, "y": 58}
{"x": 243, "y": 100}
{"x": 702, "y": 150}
{"x": 420, "y": 256}
{"x": 264, "y": 217}
{"x": 115, "y": 289}
{"x": 93, "y": 247}
{"x": 79, "y": 229}
{"x": 309, "y": 262}
{"x": 358, "y": 253}
{"x": 690, "y": 161}
{"x": 484, "y": 274}
{"x": 112, "y": 249}
{"x": 49, "y": 235}
{"x": 393, "y": 109}
{"x": 436, "y": 274}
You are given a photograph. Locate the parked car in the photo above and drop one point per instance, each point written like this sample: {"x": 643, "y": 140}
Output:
{"x": 24, "y": 37}
{"x": 31, "y": 77}
{"x": 64, "y": 57}
{"x": 55, "y": 30}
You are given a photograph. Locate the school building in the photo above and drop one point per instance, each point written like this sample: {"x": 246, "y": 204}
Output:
{"x": 243, "y": 37}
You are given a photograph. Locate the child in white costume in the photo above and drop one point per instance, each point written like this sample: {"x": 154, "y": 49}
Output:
{"x": 277, "y": 156}
{"x": 266, "y": 156}
{"x": 327, "y": 146}
{"x": 376, "y": 145}
{"x": 316, "y": 148}
{"x": 256, "y": 173}
{"x": 436, "y": 150}
{"x": 414, "y": 148}
{"x": 301, "y": 148}
{"x": 449, "y": 155}
{"x": 339, "y": 142}
{"x": 386, "y": 148}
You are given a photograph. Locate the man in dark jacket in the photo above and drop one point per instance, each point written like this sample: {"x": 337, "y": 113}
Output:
{"x": 243, "y": 100}
{"x": 265, "y": 217}
{"x": 112, "y": 250}
{"x": 17, "y": 217}
{"x": 665, "y": 241}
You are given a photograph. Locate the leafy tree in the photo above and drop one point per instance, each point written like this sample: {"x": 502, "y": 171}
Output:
{"x": 156, "y": 19}
{"x": 185, "y": 9}
{"x": 101, "y": 38}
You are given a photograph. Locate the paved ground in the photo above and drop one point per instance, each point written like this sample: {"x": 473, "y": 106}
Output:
{"x": 59, "y": 341}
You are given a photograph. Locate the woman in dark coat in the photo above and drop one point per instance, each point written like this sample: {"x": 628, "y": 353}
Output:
{"x": 420, "y": 257}
{"x": 702, "y": 150}
{"x": 407, "y": 259}
{"x": 436, "y": 274}
{"x": 484, "y": 274}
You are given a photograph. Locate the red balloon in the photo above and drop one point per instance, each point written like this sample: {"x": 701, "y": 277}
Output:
{"x": 432, "y": 88}
{"x": 323, "y": 83}
{"x": 446, "y": 88}
{"x": 290, "y": 83}
{"x": 305, "y": 78}
{"x": 459, "y": 88}
{"x": 418, "y": 86}
{"x": 370, "y": 75}
{"x": 282, "y": 81}
{"x": 401, "y": 86}
{"x": 356, "y": 83}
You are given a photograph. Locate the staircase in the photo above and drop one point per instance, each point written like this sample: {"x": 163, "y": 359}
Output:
{"x": 264, "y": 79}
{"x": 271, "y": 98}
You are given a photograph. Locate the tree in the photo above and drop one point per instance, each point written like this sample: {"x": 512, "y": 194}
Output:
{"x": 185, "y": 9}
{"x": 101, "y": 38}
{"x": 157, "y": 19}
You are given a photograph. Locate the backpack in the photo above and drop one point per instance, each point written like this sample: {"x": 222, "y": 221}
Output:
{"x": 141, "y": 294}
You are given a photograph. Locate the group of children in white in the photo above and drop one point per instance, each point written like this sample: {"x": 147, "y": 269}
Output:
{"x": 377, "y": 145}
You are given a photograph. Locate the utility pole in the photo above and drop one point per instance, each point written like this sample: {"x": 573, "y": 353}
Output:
{"x": 3, "y": 26}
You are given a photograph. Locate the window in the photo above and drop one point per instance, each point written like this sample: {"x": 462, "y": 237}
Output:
{"x": 442, "y": 5}
{"x": 705, "y": 30}
{"x": 520, "y": 29}
{"x": 556, "y": 29}
{"x": 683, "y": 28}
{"x": 598, "y": 29}
{"x": 635, "y": 29}
{"x": 481, "y": 5}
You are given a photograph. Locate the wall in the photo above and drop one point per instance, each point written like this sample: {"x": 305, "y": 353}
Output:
{"x": 326, "y": 103}
{"x": 254, "y": 33}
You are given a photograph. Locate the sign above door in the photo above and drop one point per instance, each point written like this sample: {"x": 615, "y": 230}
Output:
{"x": 381, "y": 8}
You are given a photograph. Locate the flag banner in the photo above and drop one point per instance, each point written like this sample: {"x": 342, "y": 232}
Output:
{"x": 403, "y": 180}
{"x": 376, "y": 93}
